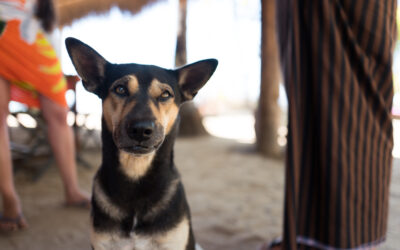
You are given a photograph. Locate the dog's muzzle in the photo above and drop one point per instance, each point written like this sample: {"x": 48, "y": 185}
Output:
{"x": 141, "y": 137}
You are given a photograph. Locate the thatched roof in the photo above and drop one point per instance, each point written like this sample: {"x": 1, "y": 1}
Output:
{"x": 70, "y": 10}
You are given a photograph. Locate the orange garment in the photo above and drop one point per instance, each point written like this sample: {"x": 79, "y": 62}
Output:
{"x": 32, "y": 69}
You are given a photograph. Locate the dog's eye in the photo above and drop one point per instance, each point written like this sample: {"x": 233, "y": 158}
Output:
{"x": 121, "y": 90}
{"x": 165, "y": 96}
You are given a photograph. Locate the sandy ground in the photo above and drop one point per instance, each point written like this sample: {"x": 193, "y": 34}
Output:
{"x": 235, "y": 196}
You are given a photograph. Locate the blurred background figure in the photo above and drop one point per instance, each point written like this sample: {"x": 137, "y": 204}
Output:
{"x": 337, "y": 60}
{"x": 30, "y": 73}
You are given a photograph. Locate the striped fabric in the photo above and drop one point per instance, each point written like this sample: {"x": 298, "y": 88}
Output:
{"x": 336, "y": 57}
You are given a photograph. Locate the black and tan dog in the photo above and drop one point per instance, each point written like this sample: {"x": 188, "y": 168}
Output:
{"x": 138, "y": 200}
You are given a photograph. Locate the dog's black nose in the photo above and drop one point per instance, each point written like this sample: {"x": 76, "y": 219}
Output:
{"x": 141, "y": 131}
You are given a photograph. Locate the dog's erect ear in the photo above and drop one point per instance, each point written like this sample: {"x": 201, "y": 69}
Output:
{"x": 89, "y": 64}
{"x": 192, "y": 77}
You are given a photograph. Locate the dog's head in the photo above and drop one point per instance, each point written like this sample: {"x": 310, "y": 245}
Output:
{"x": 140, "y": 102}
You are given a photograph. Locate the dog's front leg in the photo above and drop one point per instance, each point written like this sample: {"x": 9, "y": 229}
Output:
{"x": 111, "y": 226}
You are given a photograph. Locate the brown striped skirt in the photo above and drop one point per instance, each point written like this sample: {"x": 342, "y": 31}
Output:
{"x": 336, "y": 59}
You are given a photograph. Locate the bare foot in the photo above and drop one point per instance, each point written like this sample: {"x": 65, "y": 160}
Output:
{"x": 12, "y": 218}
{"x": 12, "y": 224}
{"x": 77, "y": 199}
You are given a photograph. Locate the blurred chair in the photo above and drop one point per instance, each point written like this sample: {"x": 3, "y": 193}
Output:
{"x": 29, "y": 144}
{"x": 82, "y": 133}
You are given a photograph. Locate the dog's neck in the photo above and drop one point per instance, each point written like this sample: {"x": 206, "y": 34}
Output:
{"x": 136, "y": 195}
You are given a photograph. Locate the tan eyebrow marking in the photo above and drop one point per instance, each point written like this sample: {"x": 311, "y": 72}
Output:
{"x": 157, "y": 88}
{"x": 133, "y": 84}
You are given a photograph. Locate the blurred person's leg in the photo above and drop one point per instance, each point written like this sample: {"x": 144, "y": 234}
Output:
{"x": 61, "y": 140}
{"x": 11, "y": 204}
{"x": 337, "y": 59}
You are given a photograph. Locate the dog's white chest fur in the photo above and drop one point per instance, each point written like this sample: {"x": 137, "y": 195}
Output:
{"x": 174, "y": 239}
